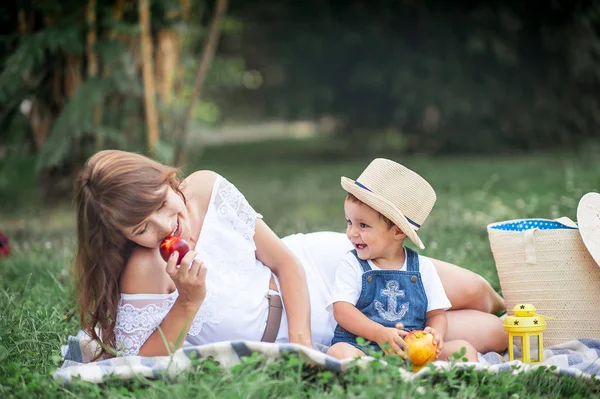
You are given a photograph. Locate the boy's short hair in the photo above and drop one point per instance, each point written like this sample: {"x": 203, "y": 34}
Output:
{"x": 353, "y": 199}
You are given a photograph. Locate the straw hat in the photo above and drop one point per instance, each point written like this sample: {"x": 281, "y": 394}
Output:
{"x": 588, "y": 219}
{"x": 396, "y": 192}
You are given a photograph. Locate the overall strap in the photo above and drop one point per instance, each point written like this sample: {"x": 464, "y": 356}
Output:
{"x": 363, "y": 263}
{"x": 412, "y": 260}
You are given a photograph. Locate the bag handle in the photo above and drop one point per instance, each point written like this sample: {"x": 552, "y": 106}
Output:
{"x": 530, "y": 257}
{"x": 529, "y": 235}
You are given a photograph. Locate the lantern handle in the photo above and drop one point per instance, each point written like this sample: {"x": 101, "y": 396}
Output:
{"x": 545, "y": 317}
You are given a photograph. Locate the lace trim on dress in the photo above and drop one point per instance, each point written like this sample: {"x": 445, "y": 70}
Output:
{"x": 232, "y": 206}
{"x": 135, "y": 324}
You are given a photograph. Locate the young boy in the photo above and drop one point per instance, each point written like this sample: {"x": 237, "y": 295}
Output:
{"x": 382, "y": 289}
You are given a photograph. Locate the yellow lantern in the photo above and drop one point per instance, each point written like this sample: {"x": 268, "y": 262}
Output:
{"x": 525, "y": 334}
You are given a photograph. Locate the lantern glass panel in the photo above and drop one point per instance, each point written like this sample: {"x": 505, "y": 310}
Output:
{"x": 534, "y": 344}
{"x": 518, "y": 347}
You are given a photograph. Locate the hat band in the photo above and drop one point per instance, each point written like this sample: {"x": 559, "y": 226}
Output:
{"x": 414, "y": 225}
{"x": 362, "y": 185}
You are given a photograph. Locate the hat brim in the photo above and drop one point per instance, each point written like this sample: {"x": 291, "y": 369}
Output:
{"x": 588, "y": 219}
{"x": 384, "y": 207}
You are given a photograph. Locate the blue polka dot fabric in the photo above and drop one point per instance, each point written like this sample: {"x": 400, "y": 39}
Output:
{"x": 527, "y": 224}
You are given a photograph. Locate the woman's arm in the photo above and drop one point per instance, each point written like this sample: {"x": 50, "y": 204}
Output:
{"x": 176, "y": 324}
{"x": 146, "y": 274}
{"x": 468, "y": 290}
{"x": 292, "y": 280}
{"x": 190, "y": 283}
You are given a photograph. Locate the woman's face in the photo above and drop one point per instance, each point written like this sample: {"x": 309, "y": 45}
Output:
{"x": 170, "y": 219}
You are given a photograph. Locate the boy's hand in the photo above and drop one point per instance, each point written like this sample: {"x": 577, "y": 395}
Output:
{"x": 437, "y": 338}
{"x": 390, "y": 340}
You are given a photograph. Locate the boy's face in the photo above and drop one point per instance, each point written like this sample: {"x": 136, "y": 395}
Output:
{"x": 369, "y": 233}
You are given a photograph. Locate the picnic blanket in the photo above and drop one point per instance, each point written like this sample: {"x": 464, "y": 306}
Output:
{"x": 578, "y": 358}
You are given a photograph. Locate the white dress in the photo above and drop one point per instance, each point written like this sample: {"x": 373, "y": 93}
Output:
{"x": 235, "y": 307}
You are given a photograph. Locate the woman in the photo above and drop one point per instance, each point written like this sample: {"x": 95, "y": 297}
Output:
{"x": 127, "y": 204}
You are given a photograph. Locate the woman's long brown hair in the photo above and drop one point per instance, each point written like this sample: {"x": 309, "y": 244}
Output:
{"x": 115, "y": 190}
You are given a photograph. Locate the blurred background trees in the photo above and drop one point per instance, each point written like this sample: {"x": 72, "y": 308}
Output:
{"x": 432, "y": 76}
{"x": 405, "y": 75}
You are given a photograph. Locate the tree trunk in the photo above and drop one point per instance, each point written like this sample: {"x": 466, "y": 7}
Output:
{"x": 113, "y": 101}
{"x": 92, "y": 66}
{"x": 167, "y": 59}
{"x": 148, "y": 75}
{"x": 57, "y": 85}
{"x": 186, "y": 5}
{"x": 112, "y": 35}
{"x": 41, "y": 119}
{"x": 72, "y": 79}
{"x": 168, "y": 52}
{"x": 214, "y": 31}
{"x": 22, "y": 15}
{"x": 185, "y": 15}
{"x": 39, "y": 115}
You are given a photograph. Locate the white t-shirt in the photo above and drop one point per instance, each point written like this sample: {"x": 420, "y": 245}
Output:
{"x": 348, "y": 282}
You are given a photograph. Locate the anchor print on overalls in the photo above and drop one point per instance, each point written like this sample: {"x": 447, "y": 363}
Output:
{"x": 391, "y": 313}
{"x": 389, "y": 297}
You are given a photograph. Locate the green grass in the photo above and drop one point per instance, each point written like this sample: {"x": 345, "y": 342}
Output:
{"x": 295, "y": 185}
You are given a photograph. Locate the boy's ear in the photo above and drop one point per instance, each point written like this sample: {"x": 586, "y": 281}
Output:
{"x": 398, "y": 233}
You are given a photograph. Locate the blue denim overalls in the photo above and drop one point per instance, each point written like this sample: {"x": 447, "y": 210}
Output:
{"x": 389, "y": 297}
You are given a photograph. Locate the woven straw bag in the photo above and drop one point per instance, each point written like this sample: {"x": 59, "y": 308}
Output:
{"x": 546, "y": 263}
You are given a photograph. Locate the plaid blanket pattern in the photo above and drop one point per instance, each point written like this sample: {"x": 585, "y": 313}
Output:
{"x": 578, "y": 358}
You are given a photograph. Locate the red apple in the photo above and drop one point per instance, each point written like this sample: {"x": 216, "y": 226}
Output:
{"x": 421, "y": 349}
{"x": 173, "y": 243}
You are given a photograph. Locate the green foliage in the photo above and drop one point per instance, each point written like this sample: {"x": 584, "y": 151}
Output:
{"x": 442, "y": 77}
{"x": 107, "y": 110}
{"x": 32, "y": 55}
{"x": 18, "y": 183}
{"x": 35, "y": 72}
{"x": 75, "y": 120}
{"x": 413, "y": 76}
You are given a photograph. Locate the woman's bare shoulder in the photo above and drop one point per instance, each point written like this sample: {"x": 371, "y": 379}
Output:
{"x": 200, "y": 182}
{"x": 145, "y": 273}
{"x": 198, "y": 186}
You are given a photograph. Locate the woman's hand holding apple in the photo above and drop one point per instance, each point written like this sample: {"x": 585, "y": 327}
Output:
{"x": 189, "y": 279}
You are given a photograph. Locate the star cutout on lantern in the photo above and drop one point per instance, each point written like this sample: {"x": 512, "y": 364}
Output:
{"x": 516, "y": 322}
{"x": 535, "y": 321}
{"x": 522, "y": 306}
